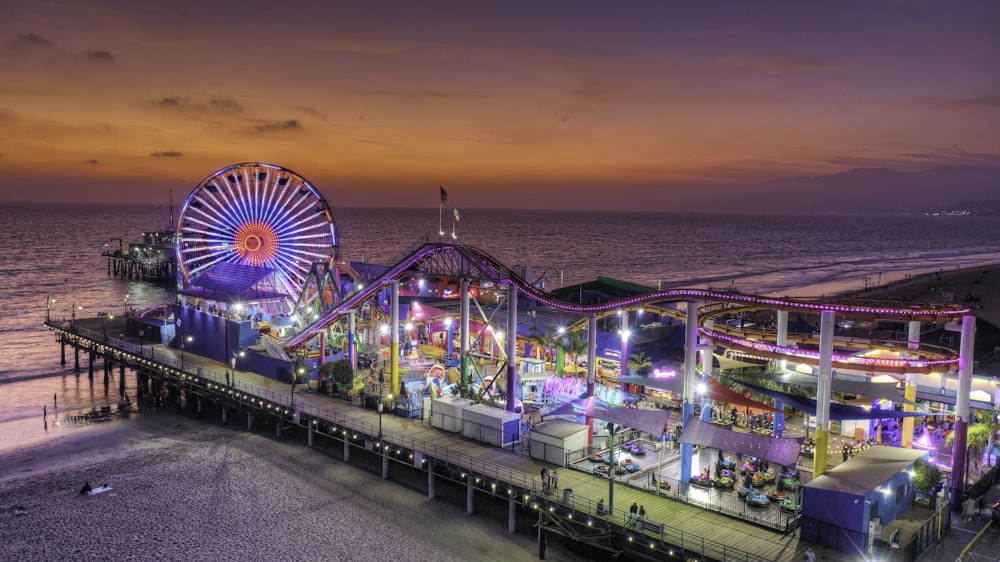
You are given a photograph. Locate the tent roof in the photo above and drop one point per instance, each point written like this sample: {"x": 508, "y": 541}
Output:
{"x": 228, "y": 277}
{"x": 782, "y": 451}
{"x": 867, "y": 471}
{"x": 650, "y": 421}
{"x": 837, "y": 411}
{"x": 606, "y": 286}
{"x": 884, "y": 390}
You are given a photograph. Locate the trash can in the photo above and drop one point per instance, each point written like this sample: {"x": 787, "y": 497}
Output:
{"x": 567, "y": 495}
{"x": 859, "y": 434}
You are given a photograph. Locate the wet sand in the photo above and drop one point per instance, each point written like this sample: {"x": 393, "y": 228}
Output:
{"x": 186, "y": 489}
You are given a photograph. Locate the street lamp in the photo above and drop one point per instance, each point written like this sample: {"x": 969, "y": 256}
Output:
{"x": 48, "y": 306}
{"x": 125, "y": 308}
{"x": 611, "y": 468}
{"x": 73, "y": 311}
{"x": 381, "y": 387}
{"x": 105, "y": 318}
{"x": 184, "y": 338}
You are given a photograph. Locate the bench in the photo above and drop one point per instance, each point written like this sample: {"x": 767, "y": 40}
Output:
{"x": 645, "y": 525}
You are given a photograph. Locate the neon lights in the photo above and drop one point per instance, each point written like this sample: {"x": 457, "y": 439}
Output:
{"x": 255, "y": 214}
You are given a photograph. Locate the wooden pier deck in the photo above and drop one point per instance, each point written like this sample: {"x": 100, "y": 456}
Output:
{"x": 699, "y": 532}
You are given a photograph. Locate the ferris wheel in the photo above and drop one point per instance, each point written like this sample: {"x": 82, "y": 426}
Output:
{"x": 255, "y": 214}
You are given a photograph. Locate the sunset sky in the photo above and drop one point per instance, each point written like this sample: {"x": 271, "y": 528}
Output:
{"x": 630, "y": 105}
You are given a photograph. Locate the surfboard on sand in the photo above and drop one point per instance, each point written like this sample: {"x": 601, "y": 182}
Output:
{"x": 99, "y": 490}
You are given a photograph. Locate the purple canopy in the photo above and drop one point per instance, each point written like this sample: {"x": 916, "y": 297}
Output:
{"x": 782, "y": 451}
{"x": 838, "y": 412}
{"x": 650, "y": 421}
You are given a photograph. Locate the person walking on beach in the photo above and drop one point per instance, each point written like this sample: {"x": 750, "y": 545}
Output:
{"x": 55, "y": 400}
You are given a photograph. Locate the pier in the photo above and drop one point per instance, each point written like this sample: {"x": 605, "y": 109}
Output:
{"x": 406, "y": 449}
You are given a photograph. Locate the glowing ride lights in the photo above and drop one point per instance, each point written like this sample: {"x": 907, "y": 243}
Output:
{"x": 259, "y": 215}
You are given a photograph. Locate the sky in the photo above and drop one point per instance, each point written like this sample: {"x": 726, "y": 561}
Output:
{"x": 515, "y": 104}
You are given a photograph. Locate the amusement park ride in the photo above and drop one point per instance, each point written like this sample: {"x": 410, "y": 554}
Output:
{"x": 257, "y": 245}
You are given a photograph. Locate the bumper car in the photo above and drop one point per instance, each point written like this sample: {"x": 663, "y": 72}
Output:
{"x": 596, "y": 457}
{"x": 601, "y": 469}
{"x": 638, "y": 450}
{"x": 786, "y": 473}
{"x": 789, "y": 506}
{"x": 791, "y": 483}
{"x": 748, "y": 468}
{"x": 745, "y": 491}
{"x": 757, "y": 480}
{"x": 722, "y": 482}
{"x": 768, "y": 477}
{"x": 726, "y": 472}
{"x": 631, "y": 466}
{"x": 756, "y": 499}
{"x": 776, "y": 496}
{"x": 726, "y": 464}
{"x": 701, "y": 481}
{"x": 664, "y": 485}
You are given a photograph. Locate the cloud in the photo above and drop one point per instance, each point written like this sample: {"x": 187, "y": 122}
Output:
{"x": 778, "y": 65}
{"x": 31, "y": 41}
{"x": 368, "y": 48}
{"x": 980, "y": 102}
{"x": 167, "y": 154}
{"x": 426, "y": 94}
{"x": 225, "y": 104}
{"x": 92, "y": 162}
{"x": 593, "y": 89}
{"x": 213, "y": 105}
{"x": 7, "y": 116}
{"x": 290, "y": 125}
{"x": 99, "y": 56}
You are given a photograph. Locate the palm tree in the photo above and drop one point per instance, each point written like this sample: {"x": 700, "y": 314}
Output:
{"x": 575, "y": 345}
{"x": 640, "y": 364}
{"x": 550, "y": 339}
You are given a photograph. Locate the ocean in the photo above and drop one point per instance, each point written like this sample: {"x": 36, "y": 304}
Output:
{"x": 52, "y": 254}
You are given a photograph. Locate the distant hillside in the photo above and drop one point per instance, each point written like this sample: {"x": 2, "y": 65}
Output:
{"x": 868, "y": 190}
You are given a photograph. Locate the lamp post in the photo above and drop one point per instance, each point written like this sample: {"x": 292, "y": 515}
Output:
{"x": 125, "y": 307}
{"x": 184, "y": 338}
{"x": 48, "y": 306}
{"x": 381, "y": 385}
{"x": 611, "y": 468}
{"x": 105, "y": 317}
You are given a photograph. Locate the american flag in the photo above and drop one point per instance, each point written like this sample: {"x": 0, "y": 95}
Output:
{"x": 444, "y": 197}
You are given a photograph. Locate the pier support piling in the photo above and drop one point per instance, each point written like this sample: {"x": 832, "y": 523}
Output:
{"x": 225, "y": 416}
{"x": 312, "y": 430}
{"x": 347, "y": 449}
{"x": 249, "y": 421}
{"x": 469, "y": 493}
{"x": 76, "y": 358}
{"x": 511, "y": 514}
{"x": 385, "y": 464}
{"x": 430, "y": 481}
{"x": 62, "y": 351}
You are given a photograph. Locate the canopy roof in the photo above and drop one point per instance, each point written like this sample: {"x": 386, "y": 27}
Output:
{"x": 715, "y": 390}
{"x": 837, "y": 411}
{"x": 650, "y": 421}
{"x": 782, "y": 451}
{"x": 883, "y": 390}
{"x": 867, "y": 471}
{"x": 232, "y": 282}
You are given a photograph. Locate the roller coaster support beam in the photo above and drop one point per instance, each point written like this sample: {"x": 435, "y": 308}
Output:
{"x": 779, "y": 417}
{"x": 910, "y": 388}
{"x": 824, "y": 388}
{"x": 591, "y": 369}
{"x": 464, "y": 332}
{"x": 511, "y": 347}
{"x": 959, "y": 468}
{"x": 706, "y": 348}
{"x": 690, "y": 383}
{"x": 393, "y": 338}
{"x": 352, "y": 339}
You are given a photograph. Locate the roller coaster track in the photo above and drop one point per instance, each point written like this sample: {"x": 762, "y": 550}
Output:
{"x": 480, "y": 264}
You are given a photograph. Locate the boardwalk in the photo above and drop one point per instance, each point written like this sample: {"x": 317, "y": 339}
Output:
{"x": 684, "y": 525}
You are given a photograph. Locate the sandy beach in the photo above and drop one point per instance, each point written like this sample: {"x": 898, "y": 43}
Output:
{"x": 186, "y": 489}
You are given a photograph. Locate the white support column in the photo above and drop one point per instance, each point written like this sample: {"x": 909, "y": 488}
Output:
{"x": 824, "y": 391}
{"x": 959, "y": 465}
{"x": 782, "y": 320}
{"x": 464, "y": 330}
{"x": 430, "y": 481}
{"x": 591, "y": 370}
{"x": 511, "y": 346}
{"x": 690, "y": 384}
{"x": 393, "y": 339}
